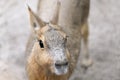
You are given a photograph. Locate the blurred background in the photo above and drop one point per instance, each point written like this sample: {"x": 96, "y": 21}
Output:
{"x": 104, "y": 40}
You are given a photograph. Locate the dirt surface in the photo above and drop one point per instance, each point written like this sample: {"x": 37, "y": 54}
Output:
{"x": 104, "y": 40}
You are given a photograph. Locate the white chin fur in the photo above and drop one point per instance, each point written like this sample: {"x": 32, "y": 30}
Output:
{"x": 61, "y": 71}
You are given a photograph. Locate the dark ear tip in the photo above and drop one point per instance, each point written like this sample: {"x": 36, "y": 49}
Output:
{"x": 29, "y": 8}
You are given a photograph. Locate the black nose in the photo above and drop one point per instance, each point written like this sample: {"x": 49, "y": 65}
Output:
{"x": 59, "y": 65}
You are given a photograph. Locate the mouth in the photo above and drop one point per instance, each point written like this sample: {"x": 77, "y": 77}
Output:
{"x": 61, "y": 70}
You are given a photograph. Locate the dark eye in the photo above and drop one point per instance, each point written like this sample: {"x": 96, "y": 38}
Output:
{"x": 34, "y": 25}
{"x": 41, "y": 44}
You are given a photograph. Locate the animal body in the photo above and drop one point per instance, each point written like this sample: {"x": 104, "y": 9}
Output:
{"x": 54, "y": 46}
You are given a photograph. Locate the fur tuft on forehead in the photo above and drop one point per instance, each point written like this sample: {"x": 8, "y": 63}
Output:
{"x": 48, "y": 27}
{"x": 51, "y": 31}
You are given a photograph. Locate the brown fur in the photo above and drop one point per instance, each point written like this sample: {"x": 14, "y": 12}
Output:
{"x": 40, "y": 70}
{"x": 37, "y": 73}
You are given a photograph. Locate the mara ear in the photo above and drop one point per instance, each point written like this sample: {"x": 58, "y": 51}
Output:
{"x": 36, "y": 22}
{"x": 56, "y": 14}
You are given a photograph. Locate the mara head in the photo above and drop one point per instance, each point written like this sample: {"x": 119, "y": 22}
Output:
{"x": 50, "y": 48}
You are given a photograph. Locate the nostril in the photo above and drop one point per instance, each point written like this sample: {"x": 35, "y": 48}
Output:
{"x": 65, "y": 64}
{"x": 59, "y": 65}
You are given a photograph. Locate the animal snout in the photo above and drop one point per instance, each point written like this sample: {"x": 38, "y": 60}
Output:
{"x": 60, "y": 64}
{"x": 61, "y": 67}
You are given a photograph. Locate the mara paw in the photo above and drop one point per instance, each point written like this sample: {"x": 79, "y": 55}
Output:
{"x": 86, "y": 63}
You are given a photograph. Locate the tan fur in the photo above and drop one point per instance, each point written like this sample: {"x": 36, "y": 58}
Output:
{"x": 37, "y": 73}
{"x": 38, "y": 68}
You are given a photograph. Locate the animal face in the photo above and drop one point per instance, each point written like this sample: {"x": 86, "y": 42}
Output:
{"x": 53, "y": 52}
{"x": 50, "y": 47}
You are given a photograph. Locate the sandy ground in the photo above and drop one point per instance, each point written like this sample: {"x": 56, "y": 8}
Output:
{"x": 104, "y": 40}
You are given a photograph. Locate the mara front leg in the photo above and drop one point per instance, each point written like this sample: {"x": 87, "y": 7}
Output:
{"x": 86, "y": 60}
